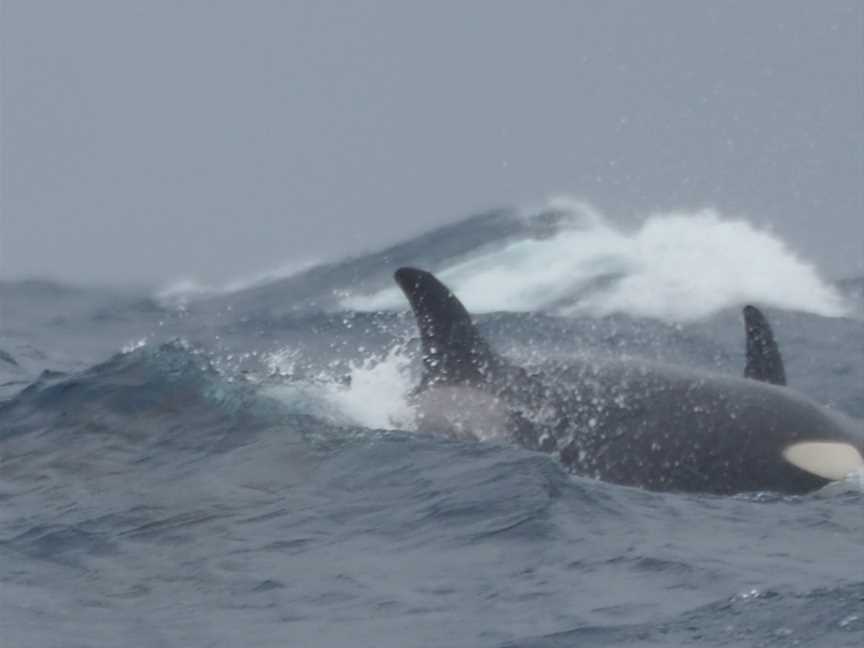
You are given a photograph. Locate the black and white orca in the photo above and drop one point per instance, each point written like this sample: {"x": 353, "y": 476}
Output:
{"x": 632, "y": 422}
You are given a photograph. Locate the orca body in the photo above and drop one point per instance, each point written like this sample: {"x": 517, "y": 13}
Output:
{"x": 631, "y": 422}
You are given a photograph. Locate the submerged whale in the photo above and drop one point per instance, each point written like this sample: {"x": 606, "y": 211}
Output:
{"x": 631, "y": 422}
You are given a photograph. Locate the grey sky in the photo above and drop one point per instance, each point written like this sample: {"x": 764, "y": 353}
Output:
{"x": 160, "y": 139}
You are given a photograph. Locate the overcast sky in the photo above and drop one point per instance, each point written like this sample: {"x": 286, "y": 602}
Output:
{"x": 147, "y": 141}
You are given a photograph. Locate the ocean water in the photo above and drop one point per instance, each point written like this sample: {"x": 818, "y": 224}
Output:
{"x": 238, "y": 466}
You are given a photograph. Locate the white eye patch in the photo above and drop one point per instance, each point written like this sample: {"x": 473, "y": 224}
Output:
{"x": 826, "y": 459}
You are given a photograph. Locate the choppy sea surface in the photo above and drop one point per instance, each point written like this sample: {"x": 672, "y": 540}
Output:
{"x": 238, "y": 465}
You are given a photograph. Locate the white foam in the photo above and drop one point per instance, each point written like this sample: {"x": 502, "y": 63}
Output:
{"x": 268, "y": 276}
{"x": 134, "y": 345}
{"x": 181, "y": 291}
{"x": 376, "y": 396}
{"x": 676, "y": 266}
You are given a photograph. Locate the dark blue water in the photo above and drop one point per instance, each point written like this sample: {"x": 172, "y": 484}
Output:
{"x": 239, "y": 468}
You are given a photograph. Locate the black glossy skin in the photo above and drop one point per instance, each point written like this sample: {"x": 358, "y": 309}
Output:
{"x": 635, "y": 423}
{"x": 453, "y": 350}
{"x": 665, "y": 428}
{"x": 764, "y": 361}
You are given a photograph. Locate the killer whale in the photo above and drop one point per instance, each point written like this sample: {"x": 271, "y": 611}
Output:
{"x": 631, "y": 422}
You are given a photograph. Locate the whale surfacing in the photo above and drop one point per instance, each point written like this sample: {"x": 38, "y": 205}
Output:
{"x": 631, "y": 422}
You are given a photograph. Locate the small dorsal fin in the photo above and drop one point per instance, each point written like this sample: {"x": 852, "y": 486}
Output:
{"x": 453, "y": 349}
{"x": 764, "y": 361}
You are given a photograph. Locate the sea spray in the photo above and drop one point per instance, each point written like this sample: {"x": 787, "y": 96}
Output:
{"x": 675, "y": 266}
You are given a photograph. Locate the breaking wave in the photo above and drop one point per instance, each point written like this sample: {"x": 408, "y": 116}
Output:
{"x": 675, "y": 266}
{"x": 181, "y": 291}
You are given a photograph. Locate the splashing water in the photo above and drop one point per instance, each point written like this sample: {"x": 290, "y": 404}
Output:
{"x": 223, "y": 483}
{"x": 677, "y": 266}
{"x": 377, "y": 394}
{"x": 374, "y": 394}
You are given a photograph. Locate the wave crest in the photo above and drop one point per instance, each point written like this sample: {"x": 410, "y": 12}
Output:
{"x": 675, "y": 266}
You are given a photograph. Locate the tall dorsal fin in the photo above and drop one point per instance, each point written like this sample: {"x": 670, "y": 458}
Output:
{"x": 453, "y": 349}
{"x": 764, "y": 361}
